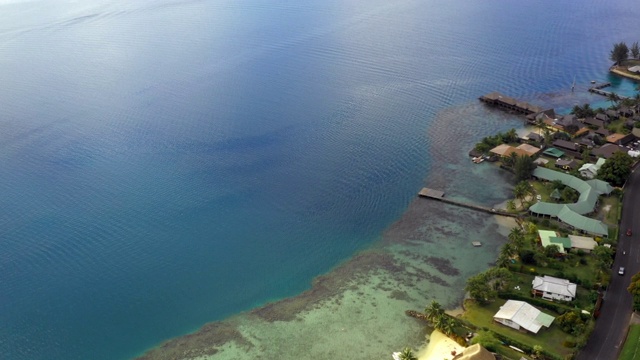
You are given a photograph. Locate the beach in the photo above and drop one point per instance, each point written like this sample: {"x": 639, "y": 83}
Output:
{"x": 439, "y": 347}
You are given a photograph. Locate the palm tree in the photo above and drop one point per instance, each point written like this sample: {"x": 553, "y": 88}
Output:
{"x": 613, "y": 97}
{"x": 448, "y": 325}
{"x": 587, "y": 110}
{"x": 521, "y": 190}
{"x": 438, "y": 322}
{"x": 510, "y": 160}
{"x": 503, "y": 260}
{"x": 537, "y": 351}
{"x": 433, "y": 311}
{"x": 407, "y": 354}
{"x": 508, "y": 250}
{"x": 516, "y": 236}
{"x": 512, "y": 135}
{"x": 540, "y": 124}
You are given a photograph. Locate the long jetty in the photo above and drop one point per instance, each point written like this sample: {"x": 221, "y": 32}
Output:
{"x": 597, "y": 89}
{"x": 439, "y": 195}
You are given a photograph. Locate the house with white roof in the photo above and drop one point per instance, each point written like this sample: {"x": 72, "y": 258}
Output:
{"x": 584, "y": 243}
{"x": 520, "y": 315}
{"x": 589, "y": 170}
{"x": 552, "y": 288}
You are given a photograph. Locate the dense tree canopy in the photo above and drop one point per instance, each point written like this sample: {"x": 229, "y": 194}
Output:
{"x": 489, "y": 142}
{"x": 616, "y": 169}
{"x": 485, "y": 286}
{"x": 619, "y": 53}
{"x": 634, "y": 289}
{"x": 635, "y": 50}
{"x": 583, "y": 111}
{"x": 523, "y": 167}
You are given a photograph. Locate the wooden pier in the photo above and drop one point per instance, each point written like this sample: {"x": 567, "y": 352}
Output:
{"x": 597, "y": 89}
{"x": 439, "y": 195}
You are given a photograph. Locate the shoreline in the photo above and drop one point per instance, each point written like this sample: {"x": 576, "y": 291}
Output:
{"x": 619, "y": 72}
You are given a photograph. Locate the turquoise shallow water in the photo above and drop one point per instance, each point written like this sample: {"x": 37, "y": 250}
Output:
{"x": 165, "y": 164}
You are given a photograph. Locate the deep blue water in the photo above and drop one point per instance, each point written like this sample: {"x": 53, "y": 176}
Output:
{"x": 168, "y": 163}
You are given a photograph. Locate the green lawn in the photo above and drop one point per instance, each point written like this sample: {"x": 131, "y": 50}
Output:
{"x": 631, "y": 349}
{"x": 608, "y": 211}
{"x": 541, "y": 190}
{"x": 550, "y": 339}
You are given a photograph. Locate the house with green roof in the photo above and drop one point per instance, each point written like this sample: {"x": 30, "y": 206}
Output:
{"x": 548, "y": 237}
{"x": 574, "y": 214}
{"x": 553, "y": 152}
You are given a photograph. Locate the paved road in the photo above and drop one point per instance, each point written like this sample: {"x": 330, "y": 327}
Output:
{"x": 610, "y": 330}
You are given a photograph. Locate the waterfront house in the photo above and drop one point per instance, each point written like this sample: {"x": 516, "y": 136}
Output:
{"x": 625, "y": 111}
{"x": 504, "y": 150}
{"x": 520, "y": 315}
{"x": 535, "y": 137}
{"x": 545, "y": 116}
{"x": 565, "y": 145}
{"x": 568, "y": 120}
{"x": 475, "y": 352}
{"x": 529, "y": 149}
{"x": 586, "y": 142}
{"x": 548, "y": 237}
{"x": 607, "y": 150}
{"x": 553, "y": 288}
{"x": 612, "y": 114}
{"x": 584, "y": 243}
{"x": 635, "y": 69}
{"x": 593, "y": 122}
{"x": 620, "y": 139}
{"x": 603, "y": 117}
{"x": 589, "y": 170}
{"x": 553, "y": 152}
{"x": 566, "y": 164}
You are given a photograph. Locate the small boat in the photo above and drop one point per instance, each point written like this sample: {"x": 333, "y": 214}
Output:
{"x": 593, "y": 81}
{"x": 478, "y": 160}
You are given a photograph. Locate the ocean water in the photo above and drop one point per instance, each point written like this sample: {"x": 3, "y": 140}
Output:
{"x": 168, "y": 164}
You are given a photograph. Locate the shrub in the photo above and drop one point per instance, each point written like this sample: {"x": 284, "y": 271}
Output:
{"x": 569, "y": 343}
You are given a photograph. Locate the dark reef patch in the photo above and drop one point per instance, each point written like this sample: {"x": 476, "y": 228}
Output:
{"x": 203, "y": 342}
{"x": 208, "y": 339}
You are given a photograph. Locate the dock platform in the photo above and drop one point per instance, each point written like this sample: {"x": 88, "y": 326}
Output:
{"x": 510, "y": 104}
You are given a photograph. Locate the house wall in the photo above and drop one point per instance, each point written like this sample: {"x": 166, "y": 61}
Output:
{"x": 552, "y": 296}
{"x": 508, "y": 323}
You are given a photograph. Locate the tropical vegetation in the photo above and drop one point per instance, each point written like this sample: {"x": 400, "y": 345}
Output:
{"x": 619, "y": 53}
{"x": 616, "y": 169}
